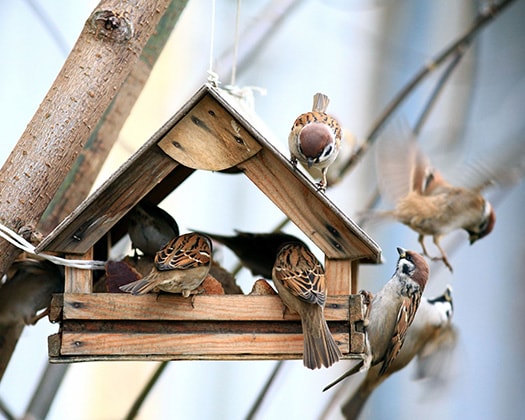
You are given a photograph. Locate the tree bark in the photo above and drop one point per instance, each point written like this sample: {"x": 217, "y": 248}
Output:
{"x": 104, "y": 58}
{"x": 82, "y": 175}
{"x": 108, "y": 47}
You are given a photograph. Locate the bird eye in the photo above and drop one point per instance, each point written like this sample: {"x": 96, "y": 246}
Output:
{"x": 483, "y": 226}
{"x": 328, "y": 150}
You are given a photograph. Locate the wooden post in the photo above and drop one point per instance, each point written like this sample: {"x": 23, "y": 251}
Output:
{"x": 338, "y": 276}
{"x": 77, "y": 280}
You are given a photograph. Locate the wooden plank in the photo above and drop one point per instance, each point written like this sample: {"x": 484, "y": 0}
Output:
{"x": 116, "y": 306}
{"x": 334, "y": 233}
{"x": 107, "y": 205}
{"x": 174, "y": 357}
{"x": 209, "y": 138}
{"x": 76, "y": 280}
{"x": 338, "y": 276}
{"x": 354, "y": 277}
{"x": 357, "y": 328}
{"x": 186, "y": 344}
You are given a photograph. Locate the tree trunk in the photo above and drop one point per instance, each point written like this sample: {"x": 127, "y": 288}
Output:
{"x": 108, "y": 47}
{"x": 80, "y": 179}
{"x": 101, "y": 62}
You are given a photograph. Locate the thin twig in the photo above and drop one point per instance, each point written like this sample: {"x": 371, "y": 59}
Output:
{"x": 264, "y": 391}
{"x": 135, "y": 408}
{"x": 482, "y": 19}
{"x": 457, "y": 48}
{"x": 5, "y": 411}
{"x": 46, "y": 391}
{"x": 438, "y": 89}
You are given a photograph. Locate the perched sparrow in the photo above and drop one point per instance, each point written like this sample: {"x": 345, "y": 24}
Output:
{"x": 430, "y": 333}
{"x": 300, "y": 281}
{"x": 150, "y": 227}
{"x": 315, "y": 138}
{"x": 180, "y": 267}
{"x": 425, "y": 202}
{"x": 390, "y": 313}
{"x": 257, "y": 251}
{"x": 29, "y": 290}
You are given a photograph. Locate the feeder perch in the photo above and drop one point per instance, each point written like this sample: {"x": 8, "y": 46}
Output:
{"x": 210, "y": 132}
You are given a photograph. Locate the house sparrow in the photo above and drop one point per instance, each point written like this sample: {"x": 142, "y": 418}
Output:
{"x": 430, "y": 333}
{"x": 150, "y": 227}
{"x": 424, "y": 201}
{"x": 257, "y": 251}
{"x": 180, "y": 267}
{"x": 28, "y": 290}
{"x": 300, "y": 281}
{"x": 315, "y": 138}
{"x": 390, "y": 312}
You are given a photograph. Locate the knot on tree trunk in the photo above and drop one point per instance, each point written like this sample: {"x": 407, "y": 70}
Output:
{"x": 114, "y": 26}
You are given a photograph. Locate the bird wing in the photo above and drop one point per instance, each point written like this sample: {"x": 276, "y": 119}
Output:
{"x": 185, "y": 252}
{"x": 396, "y": 157}
{"x": 302, "y": 274}
{"x": 405, "y": 316}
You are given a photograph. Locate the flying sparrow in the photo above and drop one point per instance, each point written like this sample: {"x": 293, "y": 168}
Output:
{"x": 315, "y": 138}
{"x": 300, "y": 281}
{"x": 256, "y": 251}
{"x": 28, "y": 290}
{"x": 390, "y": 313}
{"x": 425, "y": 202}
{"x": 180, "y": 267}
{"x": 150, "y": 227}
{"x": 430, "y": 334}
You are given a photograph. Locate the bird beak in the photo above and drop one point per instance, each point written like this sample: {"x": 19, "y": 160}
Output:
{"x": 402, "y": 252}
{"x": 473, "y": 238}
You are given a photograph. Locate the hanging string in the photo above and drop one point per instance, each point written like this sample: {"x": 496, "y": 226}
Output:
{"x": 15, "y": 239}
{"x": 245, "y": 93}
{"x": 236, "y": 43}
{"x": 213, "y": 78}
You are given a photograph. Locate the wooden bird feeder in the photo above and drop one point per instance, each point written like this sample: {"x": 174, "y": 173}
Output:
{"x": 208, "y": 133}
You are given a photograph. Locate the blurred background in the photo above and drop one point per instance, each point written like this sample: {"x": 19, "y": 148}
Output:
{"x": 360, "y": 53}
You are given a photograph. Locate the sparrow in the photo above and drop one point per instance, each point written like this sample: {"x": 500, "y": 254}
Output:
{"x": 431, "y": 333}
{"x": 28, "y": 290}
{"x": 390, "y": 313}
{"x": 180, "y": 267}
{"x": 150, "y": 228}
{"x": 424, "y": 200}
{"x": 315, "y": 138}
{"x": 300, "y": 281}
{"x": 256, "y": 251}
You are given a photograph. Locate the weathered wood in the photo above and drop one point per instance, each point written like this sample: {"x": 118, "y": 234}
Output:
{"x": 336, "y": 235}
{"x": 357, "y": 328}
{"x": 186, "y": 344}
{"x": 209, "y": 138}
{"x": 108, "y": 47}
{"x": 108, "y": 204}
{"x": 354, "y": 277}
{"x": 338, "y": 276}
{"x": 79, "y": 281}
{"x": 169, "y": 357}
{"x": 56, "y": 307}
{"x": 117, "y": 306}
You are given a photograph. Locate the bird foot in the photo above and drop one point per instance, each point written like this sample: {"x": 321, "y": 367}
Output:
{"x": 321, "y": 187}
{"x": 445, "y": 261}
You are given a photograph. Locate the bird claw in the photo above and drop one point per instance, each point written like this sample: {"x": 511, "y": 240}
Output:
{"x": 445, "y": 261}
{"x": 321, "y": 187}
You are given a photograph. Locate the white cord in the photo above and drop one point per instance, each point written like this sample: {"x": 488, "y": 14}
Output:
{"x": 15, "y": 239}
{"x": 236, "y": 43}
{"x": 213, "y": 78}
